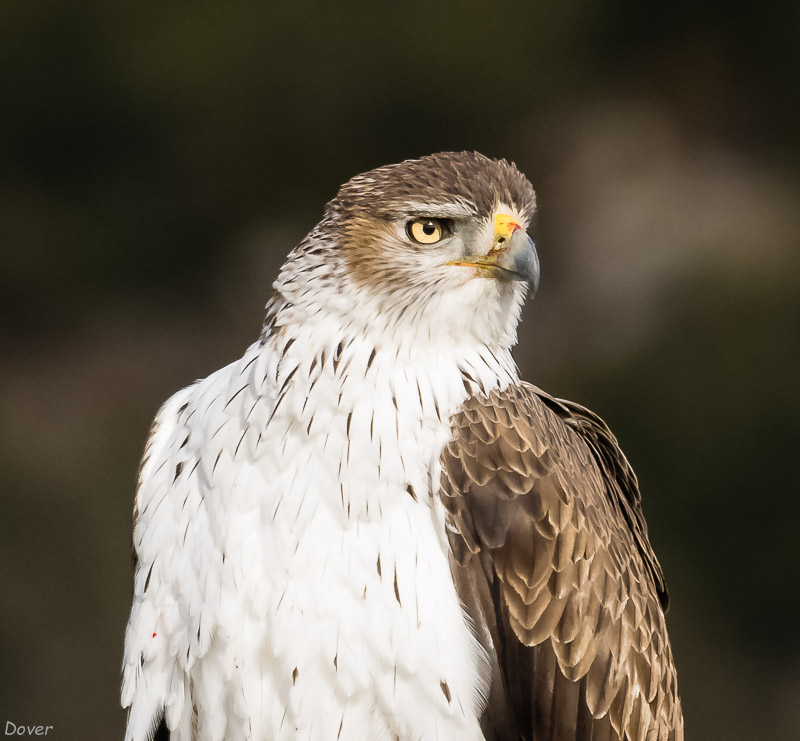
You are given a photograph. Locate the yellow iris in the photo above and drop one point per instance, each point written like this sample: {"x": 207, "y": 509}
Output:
{"x": 425, "y": 231}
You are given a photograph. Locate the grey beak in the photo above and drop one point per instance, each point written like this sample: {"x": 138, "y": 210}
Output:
{"x": 520, "y": 259}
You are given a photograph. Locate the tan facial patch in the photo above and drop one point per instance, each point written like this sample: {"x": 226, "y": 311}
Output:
{"x": 376, "y": 255}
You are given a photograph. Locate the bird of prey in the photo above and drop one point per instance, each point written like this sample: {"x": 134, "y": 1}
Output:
{"x": 369, "y": 527}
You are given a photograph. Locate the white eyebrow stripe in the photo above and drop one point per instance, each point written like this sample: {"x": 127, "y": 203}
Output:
{"x": 454, "y": 210}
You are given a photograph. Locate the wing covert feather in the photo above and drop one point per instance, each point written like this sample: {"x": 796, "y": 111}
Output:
{"x": 552, "y": 561}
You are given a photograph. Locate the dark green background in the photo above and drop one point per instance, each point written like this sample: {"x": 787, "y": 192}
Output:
{"x": 157, "y": 161}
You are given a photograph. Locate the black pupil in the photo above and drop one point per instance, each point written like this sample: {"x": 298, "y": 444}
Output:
{"x": 429, "y": 228}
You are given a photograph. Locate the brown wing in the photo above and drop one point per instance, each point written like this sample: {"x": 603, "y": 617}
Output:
{"x": 552, "y": 561}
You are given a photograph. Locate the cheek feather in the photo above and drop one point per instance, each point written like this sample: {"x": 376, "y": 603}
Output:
{"x": 388, "y": 265}
{"x": 372, "y": 252}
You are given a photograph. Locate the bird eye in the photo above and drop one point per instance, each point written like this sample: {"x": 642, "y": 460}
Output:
{"x": 425, "y": 231}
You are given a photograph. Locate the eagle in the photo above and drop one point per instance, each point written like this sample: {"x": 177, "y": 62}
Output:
{"x": 370, "y": 527}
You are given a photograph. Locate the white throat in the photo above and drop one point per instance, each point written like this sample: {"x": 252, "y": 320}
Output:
{"x": 377, "y": 403}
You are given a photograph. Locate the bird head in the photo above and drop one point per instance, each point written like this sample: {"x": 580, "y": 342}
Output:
{"x": 436, "y": 245}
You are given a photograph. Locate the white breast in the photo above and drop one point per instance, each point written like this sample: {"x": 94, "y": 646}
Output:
{"x": 294, "y": 578}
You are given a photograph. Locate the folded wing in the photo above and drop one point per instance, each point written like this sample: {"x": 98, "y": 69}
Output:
{"x": 552, "y": 561}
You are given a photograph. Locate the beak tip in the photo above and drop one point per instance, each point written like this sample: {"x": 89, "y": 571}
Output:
{"x": 521, "y": 259}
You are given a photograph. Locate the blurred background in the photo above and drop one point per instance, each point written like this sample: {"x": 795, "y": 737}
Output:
{"x": 158, "y": 160}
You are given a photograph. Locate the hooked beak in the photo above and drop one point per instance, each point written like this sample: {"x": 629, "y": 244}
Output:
{"x": 512, "y": 256}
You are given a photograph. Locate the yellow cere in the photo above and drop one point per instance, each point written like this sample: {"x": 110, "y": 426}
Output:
{"x": 504, "y": 227}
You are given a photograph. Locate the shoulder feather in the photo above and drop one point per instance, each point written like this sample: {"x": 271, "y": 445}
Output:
{"x": 552, "y": 561}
